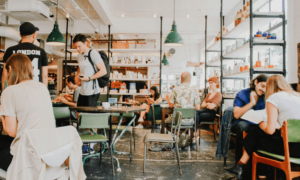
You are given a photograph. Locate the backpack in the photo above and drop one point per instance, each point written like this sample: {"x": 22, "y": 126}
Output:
{"x": 102, "y": 81}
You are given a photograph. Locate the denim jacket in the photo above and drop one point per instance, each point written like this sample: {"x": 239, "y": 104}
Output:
{"x": 224, "y": 136}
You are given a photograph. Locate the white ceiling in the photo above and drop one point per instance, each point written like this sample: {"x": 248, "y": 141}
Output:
{"x": 147, "y": 8}
{"x": 139, "y": 19}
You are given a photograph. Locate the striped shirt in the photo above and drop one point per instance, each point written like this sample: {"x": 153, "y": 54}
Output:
{"x": 216, "y": 99}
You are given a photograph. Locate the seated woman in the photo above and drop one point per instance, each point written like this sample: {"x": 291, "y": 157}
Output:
{"x": 211, "y": 103}
{"x": 154, "y": 98}
{"x": 25, "y": 104}
{"x": 283, "y": 103}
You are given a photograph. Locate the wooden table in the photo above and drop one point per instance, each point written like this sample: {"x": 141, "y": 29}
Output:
{"x": 121, "y": 110}
{"x": 165, "y": 109}
{"x": 125, "y": 103}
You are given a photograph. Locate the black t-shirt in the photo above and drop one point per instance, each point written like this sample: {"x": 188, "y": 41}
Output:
{"x": 36, "y": 54}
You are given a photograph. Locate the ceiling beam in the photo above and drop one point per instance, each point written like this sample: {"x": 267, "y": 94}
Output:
{"x": 102, "y": 10}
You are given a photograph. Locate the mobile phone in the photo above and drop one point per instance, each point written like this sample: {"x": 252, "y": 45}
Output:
{"x": 81, "y": 76}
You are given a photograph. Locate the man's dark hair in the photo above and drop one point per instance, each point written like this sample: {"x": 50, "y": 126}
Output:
{"x": 79, "y": 37}
{"x": 259, "y": 78}
{"x": 71, "y": 79}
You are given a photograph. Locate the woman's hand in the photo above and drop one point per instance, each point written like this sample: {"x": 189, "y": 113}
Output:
{"x": 262, "y": 125}
{"x": 210, "y": 106}
{"x": 83, "y": 78}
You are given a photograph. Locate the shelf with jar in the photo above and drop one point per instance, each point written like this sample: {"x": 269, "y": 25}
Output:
{"x": 242, "y": 29}
{"x": 245, "y": 72}
{"x": 124, "y": 50}
{"x": 242, "y": 50}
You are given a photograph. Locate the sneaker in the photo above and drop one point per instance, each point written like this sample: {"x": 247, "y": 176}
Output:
{"x": 87, "y": 150}
{"x": 155, "y": 148}
{"x": 141, "y": 119}
{"x": 139, "y": 126}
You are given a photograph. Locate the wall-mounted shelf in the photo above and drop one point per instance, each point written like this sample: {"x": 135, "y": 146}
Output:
{"x": 243, "y": 30}
{"x": 243, "y": 51}
{"x": 124, "y": 50}
{"x": 134, "y": 65}
{"x": 133, "y": 94}
{"x": 128, "y": 79}
{"x": 245, "y": 73}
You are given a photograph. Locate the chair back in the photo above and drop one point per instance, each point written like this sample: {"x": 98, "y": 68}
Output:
{"x": 177, "y": 121}
{"x": 186, "y": 113}
{"x": 61, "y": 112}
{"x": 156, "y": 111}
{"x": 92, "y": 120}
{"x": 293, "y": 127}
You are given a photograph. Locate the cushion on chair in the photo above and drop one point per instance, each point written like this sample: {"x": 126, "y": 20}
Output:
{"x": 280, "y": 157}
{"x": 158, "y": 137}
{"x": 158, "y": 121}
{"x": 93, "y": 138}
{"x": 114, "y": 127}
{"x": 204, "y": 122}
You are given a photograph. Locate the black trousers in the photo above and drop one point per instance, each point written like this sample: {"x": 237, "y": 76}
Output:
{"x": 206, "y": 115}
{"x": 5, "y": 156}
{"x": 90, "y": 100}
{"x": 257, "y": 139}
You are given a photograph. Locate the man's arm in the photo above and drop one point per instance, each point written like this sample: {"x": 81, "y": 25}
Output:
{"x": 102, "y": 71}
{"x": 240, "y": 111}
{"x": 45, "y": 75}
{"x": 197, "y": 107}
{"x": 72, "y": 104}
{"x": 10, "y": 125}
{"x": 4, "y": 76}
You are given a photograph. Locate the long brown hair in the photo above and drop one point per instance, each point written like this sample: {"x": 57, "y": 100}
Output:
{"x": 277, "y": 83}
{"x": 21, "y": 68}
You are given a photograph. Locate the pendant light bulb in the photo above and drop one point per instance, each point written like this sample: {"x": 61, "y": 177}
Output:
{"x": 55, "y": 38}
{"x": 174, "y": 38}
{"x": 123, "y": 15}
{"x": 154, "y": 14}
{"x": 68, "y": 16}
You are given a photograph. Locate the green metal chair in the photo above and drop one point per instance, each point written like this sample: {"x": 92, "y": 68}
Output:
{"x": 213, "y": 123}
{"x": 187, "y": 113}
{"x": 98, "y": 121}
{"x": 290, "y": 134}
{"x": 156, "y": 112}
{"x": 166, "y": 138}
{"x": 129, "y": 129}
{"x": 62, "y": 114}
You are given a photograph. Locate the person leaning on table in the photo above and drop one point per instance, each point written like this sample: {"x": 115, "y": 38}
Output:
{"x": 246, "y": 99}
{"x": 25, "y": 104}
{"x": 283, "y": 103}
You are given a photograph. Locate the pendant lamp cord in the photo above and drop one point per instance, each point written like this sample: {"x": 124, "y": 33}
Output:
{"x": 190, "y": 46}
{"x": 56, "y": 9}
{"x": 174, "y": 11}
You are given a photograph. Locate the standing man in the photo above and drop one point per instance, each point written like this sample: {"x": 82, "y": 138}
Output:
{"x": 90, "y": 90}
{"x": 36, "y": 54}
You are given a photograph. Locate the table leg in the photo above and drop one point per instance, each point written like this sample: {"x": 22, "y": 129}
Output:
{"x": 110, "y": 130}
{"x": 115, "y": 139}
{"x": 163, "y": 121}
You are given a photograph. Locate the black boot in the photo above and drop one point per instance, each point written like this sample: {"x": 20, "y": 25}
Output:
{"x": 236, "y": 170}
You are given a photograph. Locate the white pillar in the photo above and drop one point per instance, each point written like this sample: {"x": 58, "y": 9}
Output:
{"x": 293, "y": 38}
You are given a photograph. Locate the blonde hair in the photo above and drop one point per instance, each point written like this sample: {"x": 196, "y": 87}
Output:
{"x": 21, "y": 68}
{"x": 277, "y": 83}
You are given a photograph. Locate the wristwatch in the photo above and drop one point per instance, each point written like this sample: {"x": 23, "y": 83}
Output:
{"x": 89, "y": 78}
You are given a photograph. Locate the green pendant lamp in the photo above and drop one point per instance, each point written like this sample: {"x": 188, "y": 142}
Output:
{"x": 174, "y": 38}
{"x": 165, "y": 61}
{"x": 55, "y": 38}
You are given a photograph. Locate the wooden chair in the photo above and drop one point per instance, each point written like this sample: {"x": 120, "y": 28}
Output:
{"x": 157, "y": 137}
{"x": 290, "y": 134}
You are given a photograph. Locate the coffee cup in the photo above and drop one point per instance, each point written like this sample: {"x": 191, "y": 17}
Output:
{"x": 105, "y": 105}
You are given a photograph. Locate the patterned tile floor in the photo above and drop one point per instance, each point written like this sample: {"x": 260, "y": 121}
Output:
{"x": 161, "y": 165}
